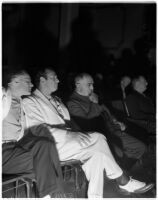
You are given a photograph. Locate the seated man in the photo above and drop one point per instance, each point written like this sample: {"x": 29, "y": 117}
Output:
{"x": 91, "y": 149}
{"x": 139, "y": 105}
{"x": 88, "y": 114}
{"x": 23, "y": 152}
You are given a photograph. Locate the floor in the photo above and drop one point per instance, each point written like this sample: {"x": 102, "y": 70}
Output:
{"x": 146, "y": 172}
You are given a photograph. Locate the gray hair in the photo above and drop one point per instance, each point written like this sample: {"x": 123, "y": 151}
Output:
{"x": 81, "y": 76}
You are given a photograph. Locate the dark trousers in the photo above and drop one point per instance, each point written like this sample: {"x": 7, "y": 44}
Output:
{"x": 34, "y": 154}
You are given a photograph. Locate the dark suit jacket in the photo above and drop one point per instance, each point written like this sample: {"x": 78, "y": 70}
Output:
{"x": 140, "y": 107}
{"x": 89, "y": 117}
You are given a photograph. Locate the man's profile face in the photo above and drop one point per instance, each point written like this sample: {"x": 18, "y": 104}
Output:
{"x": 51, "y": 83}
{"x": 125, "y": 81}
{"x": 85, "y": 86}
{"x": 21, "y": 84}
{"x": 142, "y": 84}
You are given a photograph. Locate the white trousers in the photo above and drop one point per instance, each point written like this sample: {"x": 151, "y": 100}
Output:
{"x": 96, "y": 157}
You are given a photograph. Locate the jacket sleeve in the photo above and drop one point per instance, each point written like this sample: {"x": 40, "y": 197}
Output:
{"x": 35, "y": 121}
{"x": 140, "y": 107}
{"x": 87, "y": 121}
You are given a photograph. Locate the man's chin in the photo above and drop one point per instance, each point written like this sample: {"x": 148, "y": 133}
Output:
{"x": 55, "y": 89}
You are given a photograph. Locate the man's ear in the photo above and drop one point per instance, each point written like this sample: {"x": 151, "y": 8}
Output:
{"x": 42, "y": 79}
{"x": 9, "y": 84}
{"x": 13, "y": 83}
{"x": 77, "y": 85}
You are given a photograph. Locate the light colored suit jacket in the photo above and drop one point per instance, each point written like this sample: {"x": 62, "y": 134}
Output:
{"x": 39, "y": 110}
{"x": 6, "y": 105}
{"x": 6, "y": 102}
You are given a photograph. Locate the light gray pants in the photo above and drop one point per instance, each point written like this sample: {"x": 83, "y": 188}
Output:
{"x": 96, "y": 157}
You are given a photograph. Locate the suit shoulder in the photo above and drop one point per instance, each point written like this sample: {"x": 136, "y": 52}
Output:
{"x": 71, "y": 101}
{"x": 28, "y": 99}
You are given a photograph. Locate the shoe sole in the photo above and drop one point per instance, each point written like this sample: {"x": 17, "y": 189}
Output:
{"x": 139, "y": 191}
{"x": 145, "y": 189}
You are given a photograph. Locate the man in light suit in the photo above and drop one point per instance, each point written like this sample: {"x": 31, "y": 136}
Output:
{"x": 91, "y": 149}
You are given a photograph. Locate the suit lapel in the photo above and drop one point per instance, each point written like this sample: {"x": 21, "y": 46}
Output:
{"x": 38, "y": 94}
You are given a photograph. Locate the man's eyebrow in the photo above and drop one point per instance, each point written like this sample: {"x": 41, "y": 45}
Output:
{"x": 25, "y": 78}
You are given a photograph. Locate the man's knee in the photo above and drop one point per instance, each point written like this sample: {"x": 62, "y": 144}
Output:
{"x": 45, "y": 140}
{"x": 143, "y": 148}
{"x": 43, "y": 143}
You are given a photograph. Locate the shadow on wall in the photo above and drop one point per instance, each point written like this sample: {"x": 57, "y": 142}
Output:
{"x": 84, "y": 52}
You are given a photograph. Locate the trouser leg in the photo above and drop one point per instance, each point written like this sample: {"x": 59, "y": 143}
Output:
{"x": 94, "y": 171}
{"x": 43, "y": 153}
{"x": 46, "y": 170}
{"x": 33, "y": 154}
{"x": 133, "y": 148}
{"x": 100, "y": 160}
{"x": 96, "y": 158}
{"x": 16, "y": 160}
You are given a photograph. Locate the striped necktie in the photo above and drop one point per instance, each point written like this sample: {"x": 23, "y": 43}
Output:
{"x": 54, "y": 100}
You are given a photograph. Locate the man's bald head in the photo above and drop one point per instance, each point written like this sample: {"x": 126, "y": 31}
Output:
{"x": 84, "y": 84}
{"x": 139, "y": 84}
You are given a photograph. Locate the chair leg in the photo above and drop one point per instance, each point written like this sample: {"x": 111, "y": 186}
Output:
{"x": 27, "y": 189}
{"x": 66, "y": 169}
{"x": 28, "y": 185}
{"x": 76, "y": 179}
{"x": 16, "y": 188}
{"x": 33, "y": 185}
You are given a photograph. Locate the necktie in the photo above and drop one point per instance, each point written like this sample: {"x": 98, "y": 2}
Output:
{"x": 56, "y": 104}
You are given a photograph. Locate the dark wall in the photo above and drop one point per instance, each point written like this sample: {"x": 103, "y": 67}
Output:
{"x": 78, "y": 35}
{"x": 30, "y": 34}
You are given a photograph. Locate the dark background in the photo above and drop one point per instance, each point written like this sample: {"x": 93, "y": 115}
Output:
{"x": 107, "y": 38}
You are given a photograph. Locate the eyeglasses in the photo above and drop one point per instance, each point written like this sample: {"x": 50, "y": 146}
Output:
{"x": 23, "y": 81}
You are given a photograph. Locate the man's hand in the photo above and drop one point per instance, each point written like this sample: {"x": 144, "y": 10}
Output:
{"x": 81, "y": 138}
{"x": 125, "y": 82}
{"x": 94, "y": 98}
{"x": 121, "y": 124}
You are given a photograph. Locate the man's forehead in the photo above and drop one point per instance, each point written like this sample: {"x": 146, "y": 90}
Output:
{"x": 142, "y": 79}
{"x": 88, "y": 79}
{"x": 22, "y": 77}
{"x": 50, "y": 72}
{"x": 126, "y": 78}
{"x": 85, "y": 80}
